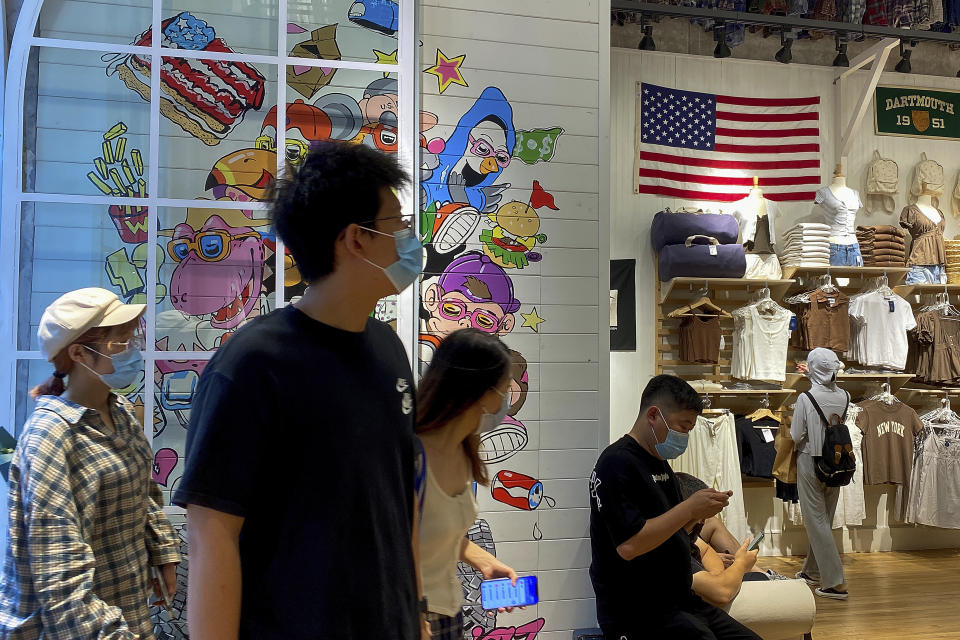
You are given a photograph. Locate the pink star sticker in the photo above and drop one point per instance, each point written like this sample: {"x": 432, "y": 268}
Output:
{"x": 447, "y": 70}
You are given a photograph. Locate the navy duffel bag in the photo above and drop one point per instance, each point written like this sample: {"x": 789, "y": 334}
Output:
{"x": 674, "y": 228}
{"x": 693, "y": 259}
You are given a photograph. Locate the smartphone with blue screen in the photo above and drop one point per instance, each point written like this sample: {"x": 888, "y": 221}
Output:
{"x": 498, "y": 593}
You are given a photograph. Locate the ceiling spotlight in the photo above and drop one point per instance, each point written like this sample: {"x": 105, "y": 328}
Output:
{"x": 785, "y": 54}
{"x": 904, "y": 65}
{"x": 646, "y": 42}
{"x": 841, "y": 60}
{"x": 720, "y": 35}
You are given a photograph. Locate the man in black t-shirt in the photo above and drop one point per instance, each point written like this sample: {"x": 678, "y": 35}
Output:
{"x": 641, "y": 553}
{"x": 299, "y": 460}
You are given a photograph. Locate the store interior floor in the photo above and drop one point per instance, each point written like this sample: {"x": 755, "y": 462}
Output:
{"x": 914, "y": 594}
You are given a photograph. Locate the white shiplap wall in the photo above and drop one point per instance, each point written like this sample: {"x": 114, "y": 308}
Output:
{"x": 630, "y": 237}
{"x": 544, "y": 57}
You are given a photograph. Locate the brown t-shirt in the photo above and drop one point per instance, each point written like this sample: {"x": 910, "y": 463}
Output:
{"x": 889, "y": 432}
{"x": 828, "y": 321}
{"x": 761, "y": 239}
{"x": 927, "y": 247}
{"x": 700, "y": 339}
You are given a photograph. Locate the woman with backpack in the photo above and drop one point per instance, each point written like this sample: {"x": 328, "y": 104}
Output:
{"x": 818, "y": 420}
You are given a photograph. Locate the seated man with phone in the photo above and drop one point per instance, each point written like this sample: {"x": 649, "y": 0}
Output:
{"x": 641, "y": 550}
{"x": 714, "y": 580}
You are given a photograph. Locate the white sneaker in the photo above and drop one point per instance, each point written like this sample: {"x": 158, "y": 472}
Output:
{"x": 832, "y": 593}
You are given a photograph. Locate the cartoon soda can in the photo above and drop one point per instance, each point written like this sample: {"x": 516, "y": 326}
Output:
{"x": 517, "y": 490}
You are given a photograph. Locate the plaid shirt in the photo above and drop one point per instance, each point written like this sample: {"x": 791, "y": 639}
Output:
{"x": 85, "y": 526}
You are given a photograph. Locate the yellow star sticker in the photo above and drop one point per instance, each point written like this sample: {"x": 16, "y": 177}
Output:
{"x": 532, "y": 320}
{"x": 386, "y": 58}
{"x": 447, "y": 70}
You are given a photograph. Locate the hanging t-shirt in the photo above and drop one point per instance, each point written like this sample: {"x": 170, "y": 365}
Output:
{"x": 306, "y": 431}
{"x": 755, "y": 441}
{"x": 700, "y": 339}
{"x": 883, "y": 322}
{"x": 771, "y": 333}
{"x": 889, "y": 434}
{"x": 628, "y": 487}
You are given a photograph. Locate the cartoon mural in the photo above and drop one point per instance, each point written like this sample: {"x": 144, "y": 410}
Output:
{"x": 448, "y": 71}
{"x": 474, "y": 616}
{"x": 515, "y": 233}
{"x": 473, "y": 243}
{"x": 172, "y": 624}
{"x": 206, "y": 98}
{"x": 322, "y": 45}
{"x": 526, "y": 631}
{"x": 382, "y": 16}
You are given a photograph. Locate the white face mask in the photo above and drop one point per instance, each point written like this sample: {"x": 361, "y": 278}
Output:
{"x": 490, "y": 421}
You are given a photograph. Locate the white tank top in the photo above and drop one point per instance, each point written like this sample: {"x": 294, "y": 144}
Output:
{"x": 443, "y": 526}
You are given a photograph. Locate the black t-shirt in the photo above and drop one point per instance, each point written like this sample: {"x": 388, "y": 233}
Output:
{"x": 757, "y": 454}
{"x": 306, "y": 431}
{"x": 628, "y": 487}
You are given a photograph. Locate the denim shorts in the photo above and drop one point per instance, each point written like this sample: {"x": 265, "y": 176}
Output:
{"x": 926, "y": 274}
{"x": 845, "y": 255}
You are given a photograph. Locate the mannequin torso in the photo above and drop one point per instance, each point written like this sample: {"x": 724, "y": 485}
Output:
{"x": 925, "y": 205}
{"x": 842, "y": 215}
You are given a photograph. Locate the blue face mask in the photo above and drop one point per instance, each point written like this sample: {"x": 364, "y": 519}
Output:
{"x": 405, "y": 270}
{"x": 127, "y": 365}
{"x": 673, "y": 445}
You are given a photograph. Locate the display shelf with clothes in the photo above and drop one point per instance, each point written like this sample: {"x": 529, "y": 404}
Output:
{"x": 822, "y": 317}
{"x": 712, "y": 456}
{"x": 935, "y": 352}
{"x": 934, "y": 493}
{"x": 760, "y": 336}
{"x": 882, "y": 246}
{"x": 699, "y": 332}
{"x": 805, "y": 245}
{"x": 879, "y": 323}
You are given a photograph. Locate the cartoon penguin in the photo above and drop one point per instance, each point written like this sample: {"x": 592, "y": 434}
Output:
{"x": 472, "y": 159}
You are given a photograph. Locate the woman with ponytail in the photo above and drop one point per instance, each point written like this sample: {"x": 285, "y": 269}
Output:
{"x": 465, "y": 391}
{"x": 86, "y": 519}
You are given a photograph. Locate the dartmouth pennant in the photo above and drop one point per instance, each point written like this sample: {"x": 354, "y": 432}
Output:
{"x": 918, "y": 113}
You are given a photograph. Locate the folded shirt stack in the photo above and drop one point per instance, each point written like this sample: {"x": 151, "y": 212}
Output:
{"x": 806, "y": 245}
{"x": 953, "y": 261}
{"x": 882, "y": 246}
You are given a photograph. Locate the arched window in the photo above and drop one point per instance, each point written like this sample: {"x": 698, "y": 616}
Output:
{"x": 139, "y": 144}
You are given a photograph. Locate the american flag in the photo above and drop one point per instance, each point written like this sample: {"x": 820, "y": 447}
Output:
{"x": 702, "y": 146}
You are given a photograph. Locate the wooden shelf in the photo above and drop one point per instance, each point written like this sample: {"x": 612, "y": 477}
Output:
{"x": 905, "y": 290}
{"x": 746, "y": 400}
{"x": 915, "y": 395}
{"x": 895, "y": 275}
{"x": 848, "y": 381}
{"x": 672, "y": 287}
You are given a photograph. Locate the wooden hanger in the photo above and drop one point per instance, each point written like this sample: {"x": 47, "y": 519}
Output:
{"x": 764, "y": 412}
{"x": 702, "y": 303}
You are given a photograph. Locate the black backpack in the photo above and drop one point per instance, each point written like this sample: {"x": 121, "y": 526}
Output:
{"x": 836, "y": 463}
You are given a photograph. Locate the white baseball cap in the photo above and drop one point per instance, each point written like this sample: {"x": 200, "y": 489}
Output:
{"x": 74, "y": 313}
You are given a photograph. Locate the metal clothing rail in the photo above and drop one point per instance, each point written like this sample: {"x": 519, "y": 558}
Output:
{"x": 652, "y": 9}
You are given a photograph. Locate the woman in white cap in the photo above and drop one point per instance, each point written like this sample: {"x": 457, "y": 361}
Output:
{"x": 86, "y": 524}
{"x": 822, "y": 567}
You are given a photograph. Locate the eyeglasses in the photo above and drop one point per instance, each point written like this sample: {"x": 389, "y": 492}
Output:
{"x": 210, "y": 246}
{"x": 479, "y": 318}
{"x": 136, "y": 343}
{"x": 294, "y": 150}
{"x": 483, "y": 149}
